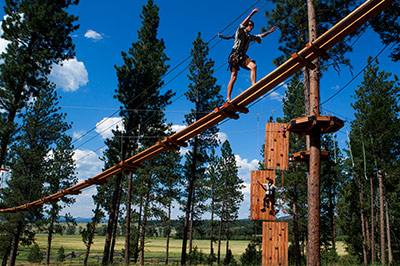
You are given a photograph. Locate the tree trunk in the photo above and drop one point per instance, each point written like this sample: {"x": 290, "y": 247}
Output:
{"x": 227, "y": 237}
{"x": 143, "y": 231}
{"x": 332, "y": 218}
{"x": 6, "y": 254}
{"x": 91, "y": 235}
{"x": 372, "y": 222}
{"x": 50, "y": 236}
{"x": 115, "y": 199}
{"x": 212, "y": 229}
{"x": 314, "y": 182}
{"x": 189, "y": 202}
{"x": 6, "y": 135}
{"x": 136, "y": 254}
{"x": 114, "y": 234}
{"x": 296, "y": 230}
{"x": 191, "y": 223}
{"x": 220, "y": 234}
{"x": 168, "y": 233}
{"x": 128, "y": 221}
{"x": 361, "y": 198}
{"x": 382, "y": 219}
{"x": 15, "y": 242}
{"x": 390, "y": 255}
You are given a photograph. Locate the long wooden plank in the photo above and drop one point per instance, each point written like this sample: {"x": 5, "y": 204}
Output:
{"x": 337, "y": 33}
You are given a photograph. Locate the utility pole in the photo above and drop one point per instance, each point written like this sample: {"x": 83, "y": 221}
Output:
{"x": 313, "y": 248}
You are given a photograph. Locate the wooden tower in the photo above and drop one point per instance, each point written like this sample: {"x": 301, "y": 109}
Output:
{"x": 275, "y": 234}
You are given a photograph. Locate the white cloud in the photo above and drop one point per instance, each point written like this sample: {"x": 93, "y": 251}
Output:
{"x": 335, "y": 88}
{"x": 275, "y": 96}
{"x": 222, "y": 136}
{"x": 177, "y": 128}
{"x": 84, "y": 204}
{"x": 78, "y": 134}
{"x": 105, "y": 126}
{"x": 95, "y": 36}
{"x": 87, "y": 164}
{"x": 245, "y": 167}
{"x": 69, "y": 75}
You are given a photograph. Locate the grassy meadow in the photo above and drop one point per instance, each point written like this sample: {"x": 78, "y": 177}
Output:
{"x": 154, "y": 248}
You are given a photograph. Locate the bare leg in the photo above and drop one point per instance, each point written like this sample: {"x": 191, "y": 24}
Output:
{"x": 234, "y": 73}
{"x": 253, "y": 73}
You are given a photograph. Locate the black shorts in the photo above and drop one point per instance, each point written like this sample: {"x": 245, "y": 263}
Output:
{"x": 239, "y": 61}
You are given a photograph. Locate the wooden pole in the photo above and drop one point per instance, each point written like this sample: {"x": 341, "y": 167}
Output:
{"x": 313, "y": 249}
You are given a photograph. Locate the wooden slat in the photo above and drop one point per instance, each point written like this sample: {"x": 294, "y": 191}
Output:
{"x": 275, "y": 244}
{"x": 257, "y": 195}
{"x": 276, "y": 155}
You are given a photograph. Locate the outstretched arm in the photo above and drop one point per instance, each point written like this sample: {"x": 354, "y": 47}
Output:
{"x": 261, "y": 185}
{"x": 268, "y": 32}
{"x": 244, "y": 23}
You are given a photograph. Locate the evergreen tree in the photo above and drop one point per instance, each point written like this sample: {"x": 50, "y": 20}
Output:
{"x": 332, "y": 179}
{"x": 232, "y": 195}
{"x": 60, "y": 176}
{"x": 292, "y": 18}
{"x": 295, "y": 179}
{"x": 374, "y": 141}
{"x": 38, "y": 33}
{"x": 42, "y": 125}
{"x": 204, "y": 93}
{"x": 89, "y": 232}
{"x": 139, "y": 83}
{"x": 35, "y": 256}
{"x": 169, "y": 176}
{"x": 387, "y": 25}
{"x": 214, "y": 179}
{"x": 108, "y": 195}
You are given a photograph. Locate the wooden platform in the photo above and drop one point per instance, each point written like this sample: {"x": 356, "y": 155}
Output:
{"x": 304, "y": 125}
{"x": 304, "y": 156}
{"x": 276, "y": 155}
{"x": 257, "y": 195}
{"x": 275, "y": 244}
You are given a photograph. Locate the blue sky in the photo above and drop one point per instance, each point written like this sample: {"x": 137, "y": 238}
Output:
{"x": 87, "y": 82}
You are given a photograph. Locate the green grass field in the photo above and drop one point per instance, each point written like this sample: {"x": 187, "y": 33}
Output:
{"x": 154, "y": 248}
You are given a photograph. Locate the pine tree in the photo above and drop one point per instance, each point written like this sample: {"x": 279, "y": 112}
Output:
{"x": 139, "y": 83}
{"x": 109, "y": 195}
{"x": 374, "y": 140}
{"x": 232, "y": 194}
{"x": 332, "y": 179}
{"x": 60, "y": 176}
{"x": 41, "y": 127}
{"x": 387, "y": 25}
{"x": 204, "y": 93}
{"x": 39, "y": 36}
{"x": 213, "y": 177}
{"x": 169, "y": 176}
{"x": 295, "y": 179}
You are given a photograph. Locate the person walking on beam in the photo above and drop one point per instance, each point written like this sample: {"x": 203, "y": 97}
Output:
{"x": 238, "y": 57}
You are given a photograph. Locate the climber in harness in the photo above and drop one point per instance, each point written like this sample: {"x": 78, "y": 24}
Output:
{"x": 269, "y": 197}
{"x": 238, "y": 57}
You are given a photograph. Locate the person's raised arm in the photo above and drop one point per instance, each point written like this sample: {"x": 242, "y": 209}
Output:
{"x": 244, "y": 23}
{"x": 268, "y": 32}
